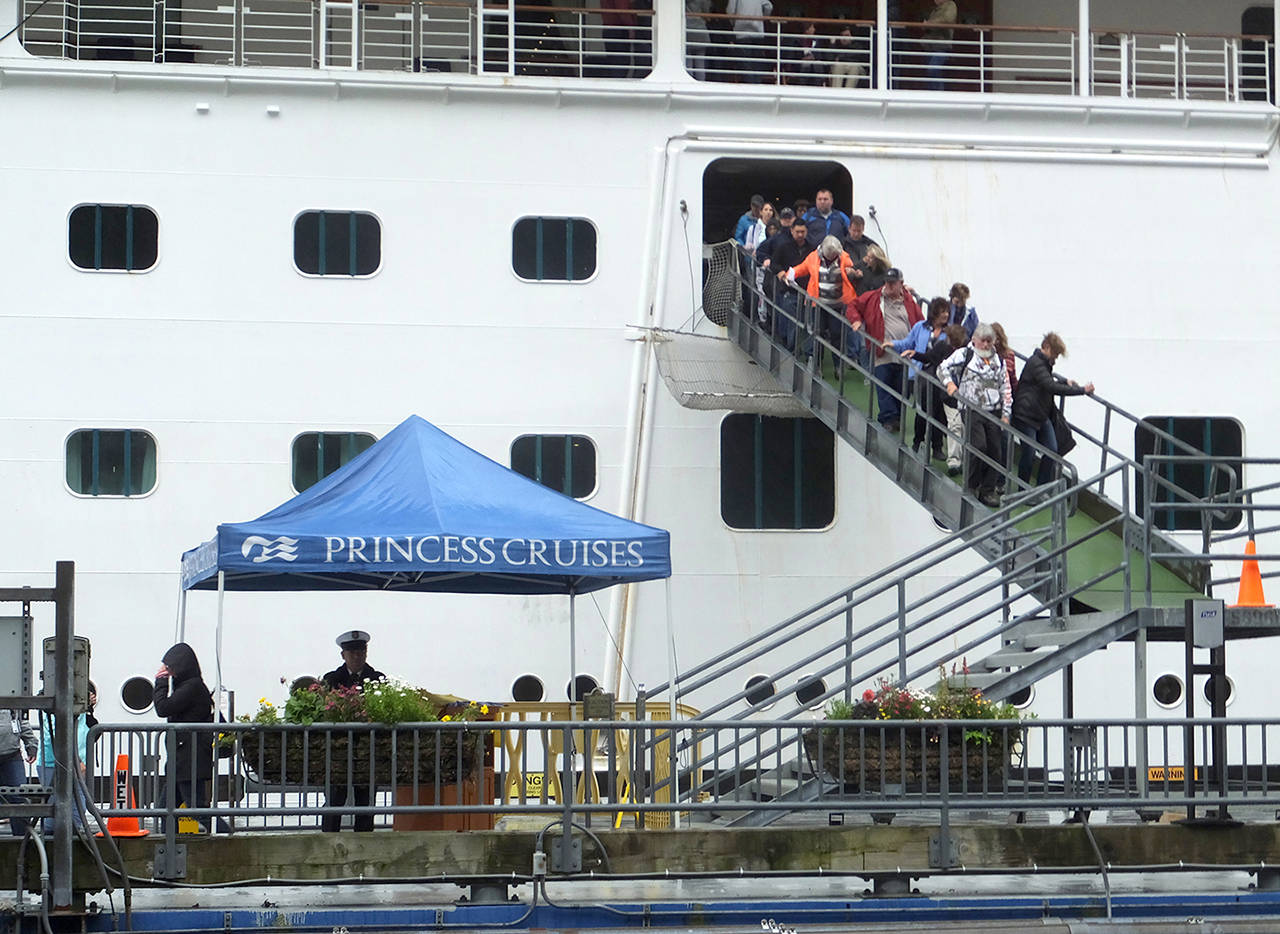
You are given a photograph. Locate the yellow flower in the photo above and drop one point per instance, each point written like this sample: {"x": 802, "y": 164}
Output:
{"x": 484, "y": 708}
{"x": 446, "y": 717}
{"x": 262, "y": 700}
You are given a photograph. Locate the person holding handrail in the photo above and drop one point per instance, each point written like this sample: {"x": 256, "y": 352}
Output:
{"x": 1033, "y": 405}
{"x": 977, "y": 377}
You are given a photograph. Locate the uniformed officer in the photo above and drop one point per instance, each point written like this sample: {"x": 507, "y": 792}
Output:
{"x": 354, "y": 670}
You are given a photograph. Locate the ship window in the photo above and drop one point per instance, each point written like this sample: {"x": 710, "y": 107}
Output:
{"x": 337, "y": 243}
{"x": 581, "y": 686}
{"x": 136, "y": 694}
{"x": 809, "y": 691}
{"x": 1167, "y": 690}
{"x": 113, "y": 236}
{"x": 776, "y": 473}
{"x": 1187, "y": 482}
{"x": 553, "y": 249}
{"x": 760, "y": 688}
{"x": 566, "y": 463}
{"x": 316, "y": 454}
{"x": 111, "y": 462}
{"x": 527, "y": 689}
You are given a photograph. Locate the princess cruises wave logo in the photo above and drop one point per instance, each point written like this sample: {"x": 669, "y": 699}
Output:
{"x": 284, "y": 548}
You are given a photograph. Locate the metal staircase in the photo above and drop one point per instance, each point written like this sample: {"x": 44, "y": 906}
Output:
{"x": 1062, "y": 570}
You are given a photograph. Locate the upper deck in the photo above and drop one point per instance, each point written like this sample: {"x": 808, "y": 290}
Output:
{"x": 1142, "y": 51}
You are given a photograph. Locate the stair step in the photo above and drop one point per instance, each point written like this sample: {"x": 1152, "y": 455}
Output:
{"x": 1010, "y": 658}
{"x": 974, "y": 679}
{"x": 770, "y": 787}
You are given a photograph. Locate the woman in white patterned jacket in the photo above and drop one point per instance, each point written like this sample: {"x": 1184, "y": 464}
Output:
{"x": 977, "y": 376}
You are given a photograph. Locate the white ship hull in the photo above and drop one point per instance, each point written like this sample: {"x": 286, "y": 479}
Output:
{"x": 1154, "y": 260}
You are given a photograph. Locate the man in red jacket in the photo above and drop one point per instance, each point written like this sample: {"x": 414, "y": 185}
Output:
{"x": 886, "y": 314}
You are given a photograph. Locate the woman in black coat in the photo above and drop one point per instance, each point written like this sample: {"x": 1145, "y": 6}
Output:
{"x": 181, "y": 696}
{"x": 1033, "y": 404}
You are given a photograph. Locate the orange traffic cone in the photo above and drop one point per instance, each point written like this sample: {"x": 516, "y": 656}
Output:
{"x": 1251, "y": 580}
{"x": 124, "y": 826}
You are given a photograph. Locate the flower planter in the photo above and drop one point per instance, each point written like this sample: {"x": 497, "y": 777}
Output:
{"x": 383, "y": 757}
{"x": 476, "y": 789}
{"x": 875, "y": 759}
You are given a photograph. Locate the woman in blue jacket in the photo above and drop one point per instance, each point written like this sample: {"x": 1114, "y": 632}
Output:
{"x": 915, "y": 347}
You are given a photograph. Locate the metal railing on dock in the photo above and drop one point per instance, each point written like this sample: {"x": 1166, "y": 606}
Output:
{"x": 285, "y": 777}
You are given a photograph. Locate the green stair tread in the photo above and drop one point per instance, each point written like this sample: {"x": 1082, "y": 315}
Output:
{"x": 1086, "y": 561}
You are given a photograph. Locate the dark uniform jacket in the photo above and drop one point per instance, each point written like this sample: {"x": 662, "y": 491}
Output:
{"x": 185, "y": 698}
{"x": 341, "y": 678}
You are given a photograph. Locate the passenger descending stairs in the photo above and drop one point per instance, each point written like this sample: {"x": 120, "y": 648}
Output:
{"x": 1093, "y": 605}
{"x": 1068, "y": 571}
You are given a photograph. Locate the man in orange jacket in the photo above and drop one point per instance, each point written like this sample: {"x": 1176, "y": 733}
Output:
{"x": 886, "y": 314}
{"x": 828, "y": 269}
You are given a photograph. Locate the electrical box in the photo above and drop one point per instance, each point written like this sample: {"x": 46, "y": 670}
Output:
{"x": 598, "y": 705}
{"x": 15, "y": 655}
{"x": 79, "y": 670}
{"x": 1208, "y": 618}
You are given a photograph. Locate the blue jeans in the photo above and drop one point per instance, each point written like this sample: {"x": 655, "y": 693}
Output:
{"x": 937, "y": 71}
{"x": 890, "y": 408}
{"x": 13, "y": 771}
{"x": 77, "y": 810}
{"x": 1043, "y": 434}
{"x": 784, "y": 325}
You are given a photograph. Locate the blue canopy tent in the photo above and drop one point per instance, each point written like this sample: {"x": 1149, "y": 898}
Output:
{"x": 421, "y": 511}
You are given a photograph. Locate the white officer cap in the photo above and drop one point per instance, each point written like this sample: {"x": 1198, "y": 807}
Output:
{"x": 353, "y": 638}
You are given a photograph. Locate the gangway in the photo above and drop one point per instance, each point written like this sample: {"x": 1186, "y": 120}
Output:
{"x": 1065, "y": 570}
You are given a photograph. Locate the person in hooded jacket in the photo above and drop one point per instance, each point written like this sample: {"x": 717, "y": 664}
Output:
{"x": 1033, "y": 406}
{"x": 181, "y": 696}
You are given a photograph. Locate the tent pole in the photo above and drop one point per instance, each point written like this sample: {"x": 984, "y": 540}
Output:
{"x": 671, "y": 706}
{"x": 217, "y": 648}
{"x": 573, "y": 655}
{"x": 180, "y": 627}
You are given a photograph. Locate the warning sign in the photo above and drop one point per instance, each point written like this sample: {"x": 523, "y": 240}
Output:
{"x": 1173, "y": 773}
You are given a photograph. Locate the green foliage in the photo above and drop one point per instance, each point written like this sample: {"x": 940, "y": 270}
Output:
{"x": 888, "y": 701}
{"x": 389, "y": 702}
{"x": 394, "y": 702}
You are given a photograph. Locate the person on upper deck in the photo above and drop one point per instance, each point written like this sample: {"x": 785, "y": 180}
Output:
{"x": 806, "y": 62}
{"x": 937, "y": 41}
{"x": 749, "y": 38}
{"x": 847, "y": 56}
{"x": 1033, "y": 405}
{"x": 886, "y": 314}
{"x": 825, "y": 219}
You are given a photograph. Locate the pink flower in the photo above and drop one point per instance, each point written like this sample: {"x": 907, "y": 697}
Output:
{"x": 868, "y": 695}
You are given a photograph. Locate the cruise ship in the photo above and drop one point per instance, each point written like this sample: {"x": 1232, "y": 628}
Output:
{"x": 246, "y": 239}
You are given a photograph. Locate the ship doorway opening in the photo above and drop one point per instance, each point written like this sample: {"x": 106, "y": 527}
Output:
{"x": 729, "y": 183}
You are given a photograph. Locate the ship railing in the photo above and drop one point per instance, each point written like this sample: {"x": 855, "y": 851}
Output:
{"x": 865, "y": 766}
{"x": 480, "y": 37}
{"x": 1006, "y": 58}
{"x": 392, "y": 35}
